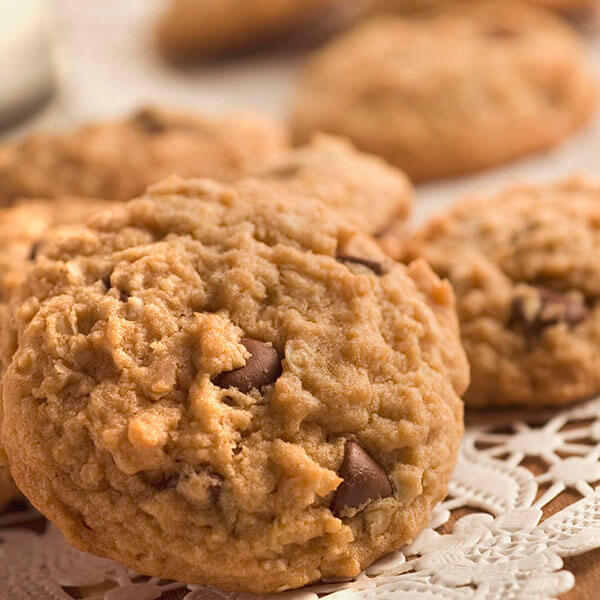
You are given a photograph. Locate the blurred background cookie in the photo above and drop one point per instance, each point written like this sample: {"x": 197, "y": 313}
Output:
{"x": 416, "y": 6}
{"x": 525, "y": 267}
{"x": 118, "y": 160}
{"x": 449, "y": 94}
{"x": 362, "y": 188}
{"x": 200, "y": 28}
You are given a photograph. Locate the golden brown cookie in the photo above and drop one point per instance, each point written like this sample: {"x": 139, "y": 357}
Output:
{"x": 361, "y": 188}
{"x": 211, "y": 384}
{"x": 119, "y": 160}
{"x": 420, "y": 6}
{"x": 192, "y": 28}
{"x": 24, "y": 228}
{"x": 8, "y": 489}
{"x": 451, "y": 93}
{"x": 525, "y": 266}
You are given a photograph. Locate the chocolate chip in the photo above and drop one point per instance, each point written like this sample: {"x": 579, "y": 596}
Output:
{"x": 35, "y": 248}
{"x": 364, "y": 481}
{"x": 374, "y": 265}
{"x": 546, "y": 307}
{"x": 214, "y": 487}
{"x": 502, "y": 32}
{"x": 106, "y": 282}
{"x": 149, "y": 121}
{"x": 284, "y": 171}
{"x": 164, "y": 481}
{"x": 262, "y": 368}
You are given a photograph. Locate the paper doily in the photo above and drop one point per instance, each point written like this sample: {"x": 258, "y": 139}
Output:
{"x": 489, "y": 540}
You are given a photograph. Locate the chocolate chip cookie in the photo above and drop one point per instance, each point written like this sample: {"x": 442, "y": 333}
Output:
{"x": 8, "y": 489}
{"x": 450, "y": 93}
{"x": 118, "y": 160}
{"x": 525, "y": 267}
{"x": 420, "y": 6}
{"x": 24, "y": 229}
{"x": 189, "y": 28}
{"x": 229, "y": 386}
{"x": 362, "y": 188}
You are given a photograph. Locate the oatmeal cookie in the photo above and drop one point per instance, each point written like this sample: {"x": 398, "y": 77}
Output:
{"x": 189, "y": 28}
{"x": 118, "y": 160}
{"x": 226, "y": 385}
{"x": 362, "y": 188}
{"x": 8, "y": 489}
{"x": 421, "y": 6}
{"x": 24, "y": 228}
{"x": 452, "y": 93}
{"x": 525, "y": 266}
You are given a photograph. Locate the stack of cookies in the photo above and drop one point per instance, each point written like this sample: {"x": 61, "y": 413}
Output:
{"x": 225, "y": 357}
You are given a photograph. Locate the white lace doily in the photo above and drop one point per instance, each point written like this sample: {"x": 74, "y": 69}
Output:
{"x": 489, "y": 540}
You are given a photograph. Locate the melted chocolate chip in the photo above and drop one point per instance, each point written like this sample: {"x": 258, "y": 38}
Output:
{"x": 502, "y": 32}
{"x": 214, "y": 487}
{"x": 364, "y": 481}
{"x": 546, "y": 308}
{"x": 374, "y": 265}
{"x": 164, "y": 481}
{"x": 35, "y": 248}
{"x": 149, "y": 121}
{"x": 262, "y": 368}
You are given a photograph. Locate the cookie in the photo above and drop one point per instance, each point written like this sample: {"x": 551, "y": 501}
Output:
{"x": 567, "y": 6}
{"x": 420, "y": 6}
{"x": 452, "y": 93}
{"x": 189, "y": 29}
{"x": 229, "y": 386}
{"x": 525, "y": 266}
{"x": 24, "y": 229}
{"x": 361, "y": 188}
{"x": 118, "y": 160}
{"x": 8, "y": 489}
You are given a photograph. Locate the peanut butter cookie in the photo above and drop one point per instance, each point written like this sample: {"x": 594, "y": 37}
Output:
{"x": 451, "y": 93}
{"x": 24, "y": 228}
{"x": 118, "y": 160}
{"x": 189, "y": 28}
{"x": 229, "y": 386}
{"x": 525, "y": 266}
{"x": 362, "y": 188}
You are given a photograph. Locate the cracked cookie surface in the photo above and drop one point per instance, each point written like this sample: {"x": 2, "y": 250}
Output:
{"x": 360, "y": 187}
{"x": 451, "y": 93}
{"x": 228, "y": 386}
{"x": 525, "y": 266}
{"x": 118, "y": 160}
